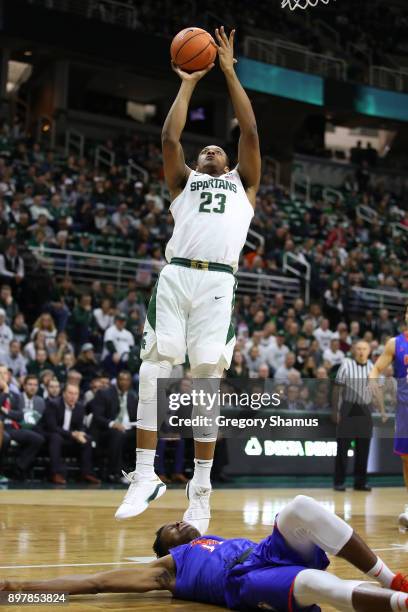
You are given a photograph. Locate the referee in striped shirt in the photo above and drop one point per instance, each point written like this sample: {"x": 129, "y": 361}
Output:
{"x": 352, "y": 403}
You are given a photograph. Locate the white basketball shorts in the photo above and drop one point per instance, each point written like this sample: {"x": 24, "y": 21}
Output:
{"x": 190, "y": 313}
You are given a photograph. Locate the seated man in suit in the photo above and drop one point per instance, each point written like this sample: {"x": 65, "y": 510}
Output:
{"x": 64, "y": 422}
{"x": 114, "y": 420}
{"x": 12, "y": 416}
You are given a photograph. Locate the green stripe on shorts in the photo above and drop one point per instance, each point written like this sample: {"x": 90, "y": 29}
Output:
{"x": 231, "y": 329}
{"x": 151, "y": 309}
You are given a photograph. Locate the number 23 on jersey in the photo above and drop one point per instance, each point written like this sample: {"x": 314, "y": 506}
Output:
{"x": 212, "y": 203}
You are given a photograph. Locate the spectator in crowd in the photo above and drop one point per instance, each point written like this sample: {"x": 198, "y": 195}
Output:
{"x": 355, "y": 332}
{"x": 20, "y": 328}
{"x": 8, "y": 303}
{"x": 114, "y": 422}
{"x": 59, "y": 348}
{"x": 6, "y": 335}
{"x": 104, "y": 319}
{"x": 323, "y": 335}
{"x": 12, "y": 266}
{"x": 46, "y": 326}
{"x": 31, "y": 404}
{"x": 238, "y": 368}
{"x": 117, "y": 343}
{"x": 100, "y": 382}
{"x": 87, "y": 365}
{"x": 81, "y": 320}
{"x": 12, "y": 416}
{"x": 276, "y": 355}
{"x": 31, "y": 348}
{"x": 64, "y": 423}
{"x": 282, "y": 374}
{"x": 131, "y": 303}
{"x": 39, "y": 364}
{"x": 15, "y": 360}
{"x": 3, "y": 479}
{"x": 302, "y": 354}
{"x": 53, "y": 389}
{"x": 334, "y": 303}
{"x": 385, "y": 326}
{"x": 333, "y": 356}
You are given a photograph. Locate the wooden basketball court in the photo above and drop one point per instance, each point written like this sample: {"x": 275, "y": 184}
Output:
{"x": 54, "y": 532}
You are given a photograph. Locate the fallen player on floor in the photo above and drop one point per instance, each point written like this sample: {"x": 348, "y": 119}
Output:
{"x": 285, "y": 572}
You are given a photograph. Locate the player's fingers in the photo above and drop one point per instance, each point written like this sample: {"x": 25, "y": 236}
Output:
{"x": 231, "y": 38}
{"x": 224, "y": 36}
{"x": 177, "y": 70}
{"x": 218, "y": 37}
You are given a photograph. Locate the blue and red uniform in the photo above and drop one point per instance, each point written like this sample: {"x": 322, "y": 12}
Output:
{"x": 241, "y": 574}
{"x": 401, "y": 374}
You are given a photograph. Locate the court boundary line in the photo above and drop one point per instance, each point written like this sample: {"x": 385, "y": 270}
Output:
{"x": 140, "y": 560}
{"x": 70, "y": 565}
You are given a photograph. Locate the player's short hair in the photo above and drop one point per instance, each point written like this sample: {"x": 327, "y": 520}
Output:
{"x": 160, "y": 550}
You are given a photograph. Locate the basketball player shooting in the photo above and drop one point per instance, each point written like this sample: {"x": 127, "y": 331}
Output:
{"x": 191, "y": 305}
{"x": 285, "y": 572}
{"x": 396, "y": 353}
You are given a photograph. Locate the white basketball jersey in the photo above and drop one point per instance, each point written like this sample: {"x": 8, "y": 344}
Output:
{"x": 212, "y": 216}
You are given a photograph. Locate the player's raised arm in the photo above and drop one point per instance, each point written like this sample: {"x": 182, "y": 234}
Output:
{"x": 157, "y": 576}
{"x": 249, "y": 156}
{"x": 175, "y": 169}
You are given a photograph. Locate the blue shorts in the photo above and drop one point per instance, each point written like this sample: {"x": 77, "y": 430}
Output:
{"x": 401, "y": 430}
{"x": 267, "y": 577}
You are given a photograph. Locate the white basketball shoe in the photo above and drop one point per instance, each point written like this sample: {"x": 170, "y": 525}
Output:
{"x": 142, "y": 491}
{"x": 198, "y": 512}
{"x": 403, "y": 521}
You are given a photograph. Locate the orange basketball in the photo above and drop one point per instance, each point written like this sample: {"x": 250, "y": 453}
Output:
{"x": 193, "y": 49}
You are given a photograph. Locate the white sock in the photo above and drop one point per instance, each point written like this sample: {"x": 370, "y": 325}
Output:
{"x": 399, "y": 602}
{"x": 202, "y": 472}
{"x": 382, "y": 573}
{"x": 145, "y": 462}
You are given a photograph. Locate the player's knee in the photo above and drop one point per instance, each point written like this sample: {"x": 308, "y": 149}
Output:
{"x": 304, "y": 579}
{"x": 303, "y": 507}
{"x": 150, "y": 371}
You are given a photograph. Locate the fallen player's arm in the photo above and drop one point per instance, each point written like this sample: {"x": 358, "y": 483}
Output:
{"x": 384, "y": 360}
{"x": 157, "y": 576}
{"x": 380, "y": 365}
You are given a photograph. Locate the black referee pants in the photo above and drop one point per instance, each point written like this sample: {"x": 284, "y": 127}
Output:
{"x": 355, "y": 424}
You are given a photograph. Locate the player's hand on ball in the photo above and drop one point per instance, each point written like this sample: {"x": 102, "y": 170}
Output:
{"x": 225, "y": 49}
{"x": 193, "y": 77}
